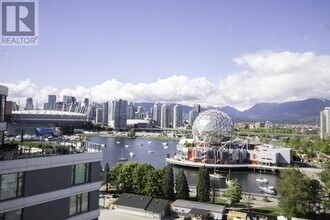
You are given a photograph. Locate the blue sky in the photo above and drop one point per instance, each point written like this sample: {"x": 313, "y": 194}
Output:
{"x": 142, "y": 50}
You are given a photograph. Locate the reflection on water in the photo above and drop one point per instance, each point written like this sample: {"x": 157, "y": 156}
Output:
{"x": 115, "y": 147}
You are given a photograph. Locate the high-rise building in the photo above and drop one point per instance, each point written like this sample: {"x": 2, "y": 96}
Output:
{"x": 131, "y": 111}
{"x": 29, "y": 104}
{"x": 156, "y": 113}
{"x": 53, "y": 185}
{"x": 99, "y": 115}
{"x": 3, "y": 124}
{"x": 139, "y": 114}
{"x": 105, "y": 112}
{"x": 118, "y": 113}
{"x": 325, "y": 124}
{"x": 193, "y": 113}
{"x": 177, "y": 116}
{"x": 165, "y": 116}
{"x": 51, "y": 102}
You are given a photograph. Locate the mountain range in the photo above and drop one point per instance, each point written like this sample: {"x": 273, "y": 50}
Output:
{"x": 305, "y": 111}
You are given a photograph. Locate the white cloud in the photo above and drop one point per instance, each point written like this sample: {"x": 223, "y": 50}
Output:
{"x": 264, "y": 77}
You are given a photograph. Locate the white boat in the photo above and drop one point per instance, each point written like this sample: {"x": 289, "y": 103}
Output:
{"x": 165, "y": 147}
{"x": 132, "y": 154}
{"x": 216, "y": 176}
{"x": 164, "y": 143}
{"x": 150, "y": 151}
{"x": 118, "y": 142}
{"x": 149, "y": 142}
{"x": 268, "y": 189}
{"x": 262, "y": 180}
{"x": 122, "y": 158}
{"x": 140, "y": 144}
{"x": 126, "y": 145}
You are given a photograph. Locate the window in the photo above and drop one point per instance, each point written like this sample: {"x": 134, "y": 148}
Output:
{"x": 78, "y": 203}
{"x": 12, "y": 215}
{"x": 80, "y": 173}
{"x": 2, "y": 107}
{"x": 11, "y": 185}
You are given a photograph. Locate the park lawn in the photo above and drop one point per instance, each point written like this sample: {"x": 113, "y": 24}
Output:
{"x": 270, "y": 210}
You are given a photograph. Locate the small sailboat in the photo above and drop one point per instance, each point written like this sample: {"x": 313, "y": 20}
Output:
{"x": 126, "y": 145}
{"x": 132, "y": 154}
{"x": 140, "y": 144}
{"x": 149, "y": 142}
{"x": 164, "y": 143}
{"x": 122, "y": 158}
{"x": 262, "y": 180}
{"x": 165, "y": 146}
{"x": 217, "y": 176}
{"x": 268, "y": 189}
{"x": 118, "y": 142}
{"x": 150, "y": 152}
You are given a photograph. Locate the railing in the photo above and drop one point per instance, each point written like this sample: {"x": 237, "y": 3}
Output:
{"x": 23, "y": 152}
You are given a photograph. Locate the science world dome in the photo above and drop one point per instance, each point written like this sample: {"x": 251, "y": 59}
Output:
{"x": 212, "y": 126}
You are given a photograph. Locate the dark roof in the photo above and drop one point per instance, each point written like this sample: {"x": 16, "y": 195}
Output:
{"x": 132, "y": 200}
{"x": 199, "y": 212}
{"x": 157, "y": 205}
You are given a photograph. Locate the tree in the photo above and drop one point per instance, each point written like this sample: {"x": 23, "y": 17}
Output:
{"x": 106, "y": 176}
{"x": 114, "y": 174}
{"x": 125, "y": 176}
{"x": 203, "y": 185}
{"x": 181, "y": 186}
{"x": 154, "y": 183}
{"x": 131, "y": 133}
{"x": 168, "y": 183}
{"x": 315, "y": 194}
{"x": 233, "y": 193}
{"x": 325, "y": 178}
{"x": 140, "y": 177}
{"x": 293, "y": 187}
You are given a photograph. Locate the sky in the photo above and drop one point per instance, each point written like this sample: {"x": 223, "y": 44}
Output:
{"x": 212, "y": 52}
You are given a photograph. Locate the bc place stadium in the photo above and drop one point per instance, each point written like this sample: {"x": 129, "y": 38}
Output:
{"x": 29, "y": 120}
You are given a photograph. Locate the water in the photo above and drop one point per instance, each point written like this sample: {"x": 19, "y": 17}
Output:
{"x": 115, "y": 147}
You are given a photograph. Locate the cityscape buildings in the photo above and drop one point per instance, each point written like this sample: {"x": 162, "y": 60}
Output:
{"x": 165, "y": 116}
{"x": 118, "y": 114}
{"x": 29, "y": 104}
{"x": 156, "y": 113}
{"x": 3, "y": 124}
{"x": 325, "y": 124}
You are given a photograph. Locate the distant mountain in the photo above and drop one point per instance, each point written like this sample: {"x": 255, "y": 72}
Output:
{"x": 305, "y": 111}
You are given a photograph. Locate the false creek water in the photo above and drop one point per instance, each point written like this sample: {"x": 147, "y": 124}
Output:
{"x": 115, "y": 147}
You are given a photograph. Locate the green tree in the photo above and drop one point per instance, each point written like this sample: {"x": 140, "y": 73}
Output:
{"x": 181, "y": 186}
{"x": 125, "y": 176}
{"x": 106, "y": 176}
{"x": 293, "y": 187}
{"x": 154, "y": 183}
{"x": 114, "y": 174}
{"x": 131, "y": 133}
{"x": 325, "y": 178}
{"x": 168, "y": 183}
{"x": 315, "y": 194}
{"x": 140, "y": 177}
{"x": 233, "y": 193}
{"x": 203, "y": 185}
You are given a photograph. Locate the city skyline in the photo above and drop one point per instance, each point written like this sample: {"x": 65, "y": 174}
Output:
{"x": 212, "y": 52}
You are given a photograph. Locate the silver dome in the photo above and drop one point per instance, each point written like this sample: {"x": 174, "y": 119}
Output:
{"x": 211, "y": 126}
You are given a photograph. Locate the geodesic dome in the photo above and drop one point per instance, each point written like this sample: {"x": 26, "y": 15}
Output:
{"x": 211, "y": 126}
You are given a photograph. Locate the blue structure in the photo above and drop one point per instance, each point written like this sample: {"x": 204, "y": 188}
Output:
{"x": 47, "y": 131}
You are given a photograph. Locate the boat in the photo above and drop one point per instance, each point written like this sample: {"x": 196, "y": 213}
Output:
{"x": 132, "y": 154}
{"x": 268, "y": 189}
{"x": 165, "y": 147}
{"x": 262, "y": 180}
{"x": 150, "y": 151}
{"x": 118, "y": 142}
{"x": 122, "y": 158}
{"x": 164, "y": 143}
{"x": 216, "y": 176}
{"x": 126, "y": 145}
{"x": 149, "y": 142}
{"x": 140, "y": 144}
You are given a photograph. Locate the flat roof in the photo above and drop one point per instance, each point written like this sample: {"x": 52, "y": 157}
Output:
{"x": 198, "y": 205}
{"x": 157, "y": 205}
{"x": 134, "y": 201}
{"x": 199, "y": 212}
